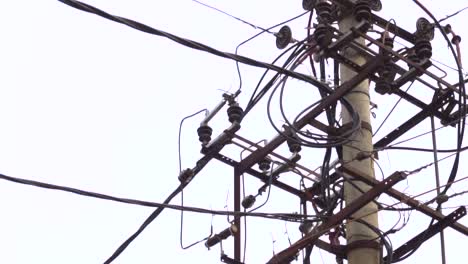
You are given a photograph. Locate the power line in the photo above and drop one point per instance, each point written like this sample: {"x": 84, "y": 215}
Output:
{"x": 454, "y": 14}
{"x": 391, "y": 111}
{"x": 146, "y": 223}
{"x": 239, "y": 19}
{"x": 291, "y": 217}
{"x": 423, "y": 134}
{"x": 186, "y": 42}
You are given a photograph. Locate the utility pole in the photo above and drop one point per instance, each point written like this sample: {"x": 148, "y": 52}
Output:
{"x": 361, "y": 142}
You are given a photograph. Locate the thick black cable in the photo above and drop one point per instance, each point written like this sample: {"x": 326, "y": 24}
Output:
{"x": 327, "y": 90}
{"x": 307, "y": 143}
{"x": 254, "y": 99}
{"x": 201, "y": 163}
{"x": 186, "y": 42}
{"x": 329, "y": 112}
{"x": 148, "y": 221}
{"x": 291, "y": 217}
{"x": 325, "y": 186}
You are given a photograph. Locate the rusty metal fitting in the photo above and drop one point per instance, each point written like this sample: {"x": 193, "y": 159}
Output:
{"x": 324, "y": 12}
{"x": 322, "y": 35}
{"x": 221, "y": 236}
{"x": 373, "y": 244}
{"x": 362, "y": 10}
{"x": 185, "y": 176}
{"x": 442, "y": 198}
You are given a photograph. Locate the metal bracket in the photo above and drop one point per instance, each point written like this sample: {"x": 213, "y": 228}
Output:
{"x": 228, "y": 260}
{"x": 336, "y": 219}
{"x": 405, "y": 199}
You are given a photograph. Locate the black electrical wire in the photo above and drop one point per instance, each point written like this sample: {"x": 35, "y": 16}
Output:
{"x": 236, "y": 18}
{"x": 391, "y": 111}
{"x": 201, "y": 163}
{"x": 345, "y": 103}
{"x": 290, "y": 217}
{"x": 243, "y": 197}
{"x": 270, "y": 181}
{"x": 303, "y": 142}
{"x": 454, "y": 14}
{"x": 186, "y": 42}
{"x": 255, "y": 98}
{"x": 330, "y": 113}
{"x": 148, "y": 221}
{"x": 181, "y": 234}
{"x": 309, "y": 135}
{"x": 423, "y": 134}
{"x": 180, "y": 134}
{"x": 448, "y": 197}
{"x": 427, "y": 150}
{"x": 256, "y": 35}
{"x": 383, "y": 238}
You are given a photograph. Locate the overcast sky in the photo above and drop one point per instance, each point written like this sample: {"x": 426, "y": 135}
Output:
{"x": 92, "y": 104}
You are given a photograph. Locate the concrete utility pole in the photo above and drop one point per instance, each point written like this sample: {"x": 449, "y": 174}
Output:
{"x": 361, "y": 141}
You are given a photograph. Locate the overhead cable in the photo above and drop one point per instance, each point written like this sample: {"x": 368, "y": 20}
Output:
{"x": 275, "y": 216}
{"x": 186, "y": 42}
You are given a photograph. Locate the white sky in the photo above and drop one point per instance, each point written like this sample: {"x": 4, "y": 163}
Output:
{"x": 92, "y": 104}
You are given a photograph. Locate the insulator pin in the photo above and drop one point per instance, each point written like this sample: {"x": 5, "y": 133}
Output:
{"x": 423, "y": 49}
{"x": 248, "y": 201}
{"x": 235, "y": 113}
{"x": 221, "y": 236}
{"x": 264, "y": 165}
{"x": 283, "y": 37}
{"x": 324, "y": 12}
{"x": 204, "y": 134}
{"x": 322, "y": 35}
{"x": 362, "y": 10}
